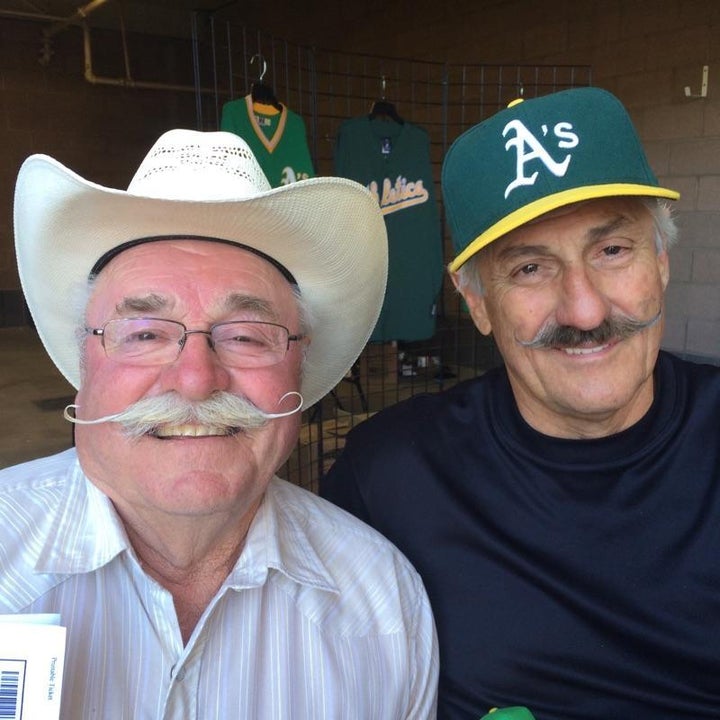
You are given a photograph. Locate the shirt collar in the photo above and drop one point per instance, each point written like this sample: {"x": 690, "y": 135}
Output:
{"x": 86, "y": 532}
{"x": 277, "y": 540}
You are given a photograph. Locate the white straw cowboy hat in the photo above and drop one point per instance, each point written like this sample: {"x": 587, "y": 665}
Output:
{"x": 328, "y": 233}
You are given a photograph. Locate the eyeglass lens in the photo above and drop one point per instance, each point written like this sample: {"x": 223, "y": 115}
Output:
{"x": 150, "y": 341}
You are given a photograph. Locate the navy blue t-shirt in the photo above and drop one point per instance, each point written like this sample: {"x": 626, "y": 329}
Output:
{"x": 580, "y": 578}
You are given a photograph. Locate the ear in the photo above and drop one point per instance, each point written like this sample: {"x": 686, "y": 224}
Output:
{"x": 664, "y": 266}
{"x": 476, "y": 306}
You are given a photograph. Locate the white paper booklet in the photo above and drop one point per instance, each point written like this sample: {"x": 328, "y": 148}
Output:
{"x": 32, "y": 657}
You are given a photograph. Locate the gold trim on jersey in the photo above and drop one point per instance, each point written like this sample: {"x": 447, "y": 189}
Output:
{"x": 269, "y": 143}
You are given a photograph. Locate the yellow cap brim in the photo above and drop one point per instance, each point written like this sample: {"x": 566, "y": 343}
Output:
{"x": 535, "y": 209}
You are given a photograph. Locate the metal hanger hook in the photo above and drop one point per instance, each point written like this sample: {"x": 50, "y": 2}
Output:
{"x": 264, "y": 64}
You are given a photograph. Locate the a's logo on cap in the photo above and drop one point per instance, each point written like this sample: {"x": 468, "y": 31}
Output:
{"x": 529, "y": 148}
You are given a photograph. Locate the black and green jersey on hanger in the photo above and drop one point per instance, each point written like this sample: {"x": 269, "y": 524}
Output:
{"x": 392, "y": 160}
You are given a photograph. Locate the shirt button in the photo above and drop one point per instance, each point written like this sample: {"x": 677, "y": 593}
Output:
{"x": 179, "y": 675}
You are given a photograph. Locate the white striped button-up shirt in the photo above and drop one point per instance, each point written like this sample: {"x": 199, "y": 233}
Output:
{"x": 321, "y": 618}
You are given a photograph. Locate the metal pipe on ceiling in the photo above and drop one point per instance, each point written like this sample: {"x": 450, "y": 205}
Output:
{"x": 79, "y": 18}
{"x": 79, "y": 15}
{"x": 127, "y": 81}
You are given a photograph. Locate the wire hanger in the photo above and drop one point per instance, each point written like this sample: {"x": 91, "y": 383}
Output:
{"x": 384, "y": 109}
{"x": 259, "y": 91}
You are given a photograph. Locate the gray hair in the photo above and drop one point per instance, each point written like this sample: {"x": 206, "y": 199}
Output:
{"x": 666, "y": 235}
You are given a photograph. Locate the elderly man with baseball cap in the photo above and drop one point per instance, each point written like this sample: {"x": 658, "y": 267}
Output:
{"x": 196, "y": 314}
{"x": 563, "y": 510}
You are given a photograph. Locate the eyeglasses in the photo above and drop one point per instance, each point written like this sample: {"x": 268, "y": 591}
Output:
{"x": 154, "y": 341}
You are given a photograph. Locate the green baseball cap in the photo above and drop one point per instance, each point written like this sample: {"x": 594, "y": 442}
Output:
{"x": 538, "y": 155}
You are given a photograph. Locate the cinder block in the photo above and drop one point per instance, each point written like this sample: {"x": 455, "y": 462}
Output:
{"x": 711, "y": 119}
{"x": 619, "y": 59}
{"x": 681, "y": 263}
{"x": 658, "y": 155}
{"x": 676, "y": 297}
{"x": 675, "y": 333}
{"x": 709, "y": 193}
{"x": 703, "y": 302}
{"x": 675, "y": 47}
{"x": 699, "y": 229}
{"x": 640, "y": 89}
{"x": 670, "y": 122}
{"x": 695, "y": 157}
{"x": 703, "y": 337}
{"x": 687, "y": 186}
{"x": 706, "y": 266}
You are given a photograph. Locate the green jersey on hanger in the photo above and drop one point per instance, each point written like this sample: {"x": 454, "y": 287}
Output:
{"x": 277, "y": 139}
{"x": 393, "y": 161}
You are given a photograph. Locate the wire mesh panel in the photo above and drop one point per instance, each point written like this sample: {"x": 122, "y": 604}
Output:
{"x": 326, "y": 88}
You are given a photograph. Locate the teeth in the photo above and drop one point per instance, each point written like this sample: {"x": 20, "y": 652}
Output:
{"x": 189, "y": 431}
{"x": 583, "y": 351}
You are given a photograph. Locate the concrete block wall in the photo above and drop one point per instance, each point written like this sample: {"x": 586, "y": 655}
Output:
{"x": 645, "y": 51}
{"x": 100, "y": 131}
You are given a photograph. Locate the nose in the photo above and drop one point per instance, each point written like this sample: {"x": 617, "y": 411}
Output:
{"x": 197, "y": 372}
{"x": 582, "y": 303}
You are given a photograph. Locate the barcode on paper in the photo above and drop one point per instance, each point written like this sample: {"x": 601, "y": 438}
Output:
{"x": 12, "y": 682}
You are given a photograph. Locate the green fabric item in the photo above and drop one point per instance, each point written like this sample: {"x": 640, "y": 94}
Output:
{"x": 278, "y": 140}
{"x": 509, "y": 713}
{"x": 393, "y": 161}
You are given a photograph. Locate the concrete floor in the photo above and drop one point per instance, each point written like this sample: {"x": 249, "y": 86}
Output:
{"x": 32, "y": 395}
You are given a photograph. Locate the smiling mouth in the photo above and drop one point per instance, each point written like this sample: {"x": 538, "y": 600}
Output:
{"x": 166, "y": 432}
{"x": 585, "y": 350}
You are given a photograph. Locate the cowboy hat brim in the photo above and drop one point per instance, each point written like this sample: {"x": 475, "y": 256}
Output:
{"x": 328, "y": 232}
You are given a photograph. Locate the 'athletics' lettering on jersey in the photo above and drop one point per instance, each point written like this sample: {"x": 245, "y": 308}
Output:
{"x": 400, "y": 195}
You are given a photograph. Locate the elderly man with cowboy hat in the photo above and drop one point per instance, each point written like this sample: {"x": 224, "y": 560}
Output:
{"x": 564, "y": 509}
{"x": 196, "y": 314}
